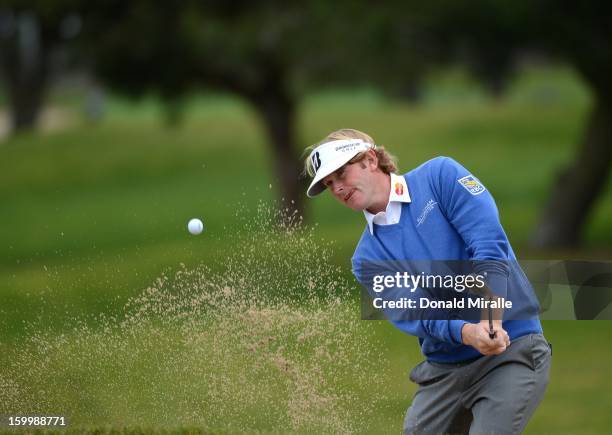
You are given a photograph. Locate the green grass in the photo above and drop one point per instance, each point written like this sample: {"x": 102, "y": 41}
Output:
{"x": 92, "y": 215}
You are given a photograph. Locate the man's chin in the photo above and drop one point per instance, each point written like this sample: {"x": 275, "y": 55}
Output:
{"x": 353, "y": 203}
{"x": 356, "y": 206}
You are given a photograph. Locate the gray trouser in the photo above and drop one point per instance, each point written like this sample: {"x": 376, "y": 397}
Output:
{"x": 493, "y": 394}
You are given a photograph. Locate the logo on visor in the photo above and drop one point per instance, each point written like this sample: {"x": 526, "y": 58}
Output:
{"x": 316, "y": 161}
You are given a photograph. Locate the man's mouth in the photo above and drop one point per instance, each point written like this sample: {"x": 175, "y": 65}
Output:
{"x": 348, "y": 196}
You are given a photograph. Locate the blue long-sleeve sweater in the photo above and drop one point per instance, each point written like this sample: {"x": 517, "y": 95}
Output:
{"x": 451, "y": 216}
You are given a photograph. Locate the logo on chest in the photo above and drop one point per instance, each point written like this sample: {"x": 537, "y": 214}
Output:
{"x": 431, "y": 204}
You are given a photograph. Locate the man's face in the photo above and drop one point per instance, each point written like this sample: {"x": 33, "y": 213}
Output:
{"x": 351, "y": 185}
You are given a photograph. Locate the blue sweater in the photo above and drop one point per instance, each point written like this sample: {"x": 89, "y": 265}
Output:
{"x": 451, "y": 216}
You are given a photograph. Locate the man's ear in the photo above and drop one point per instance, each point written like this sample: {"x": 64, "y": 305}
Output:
{"x": 371, "y": 160}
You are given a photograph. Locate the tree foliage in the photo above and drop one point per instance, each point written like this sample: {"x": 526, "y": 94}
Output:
{"x": 271, "y": 53}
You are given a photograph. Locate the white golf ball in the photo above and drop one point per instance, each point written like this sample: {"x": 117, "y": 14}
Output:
{"x": 195, "y": 226}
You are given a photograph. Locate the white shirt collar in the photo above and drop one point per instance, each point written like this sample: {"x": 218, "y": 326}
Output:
{"x": 397, "y": 194}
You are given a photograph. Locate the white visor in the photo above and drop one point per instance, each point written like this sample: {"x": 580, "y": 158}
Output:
{"x": 328, "y": 157}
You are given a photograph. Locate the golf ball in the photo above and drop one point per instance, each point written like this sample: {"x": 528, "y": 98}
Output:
{"x": 195, "y": 226}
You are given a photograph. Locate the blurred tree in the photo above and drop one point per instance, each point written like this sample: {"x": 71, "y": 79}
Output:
{"x": 175, "y": 48}
{"x": 267, "y": 52}
{"x": 30, "y": 33}
{"x": 488, "y": 35}
{"x": 581, "y": 33}
{"x": 271, "y": 53}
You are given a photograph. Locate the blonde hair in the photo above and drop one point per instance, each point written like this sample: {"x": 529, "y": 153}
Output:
{"x": 386, "y": 161}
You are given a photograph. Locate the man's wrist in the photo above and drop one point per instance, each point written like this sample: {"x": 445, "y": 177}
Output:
{"x": 455, "y": 328}
{"x": 466, "y": 333}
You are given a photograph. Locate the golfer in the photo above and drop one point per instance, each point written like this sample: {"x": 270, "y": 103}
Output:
{"x": 474, "y": 380}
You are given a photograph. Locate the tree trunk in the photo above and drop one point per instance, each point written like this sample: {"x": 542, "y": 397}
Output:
{"x": 26, "y": 96}
{"x": 24, "y": 60}
{"x": 278, "y": 113}
{"x": 578, "y": 186}
{"x": 276, "y": 107}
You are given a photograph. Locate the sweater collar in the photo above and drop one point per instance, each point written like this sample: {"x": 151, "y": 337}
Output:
{"x": 397, "y": 194}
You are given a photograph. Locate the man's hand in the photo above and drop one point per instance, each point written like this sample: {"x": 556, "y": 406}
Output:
{"x": 477, "y": 336}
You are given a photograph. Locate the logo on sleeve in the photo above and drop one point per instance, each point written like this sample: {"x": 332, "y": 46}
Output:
{"x": 471, "y": 184}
